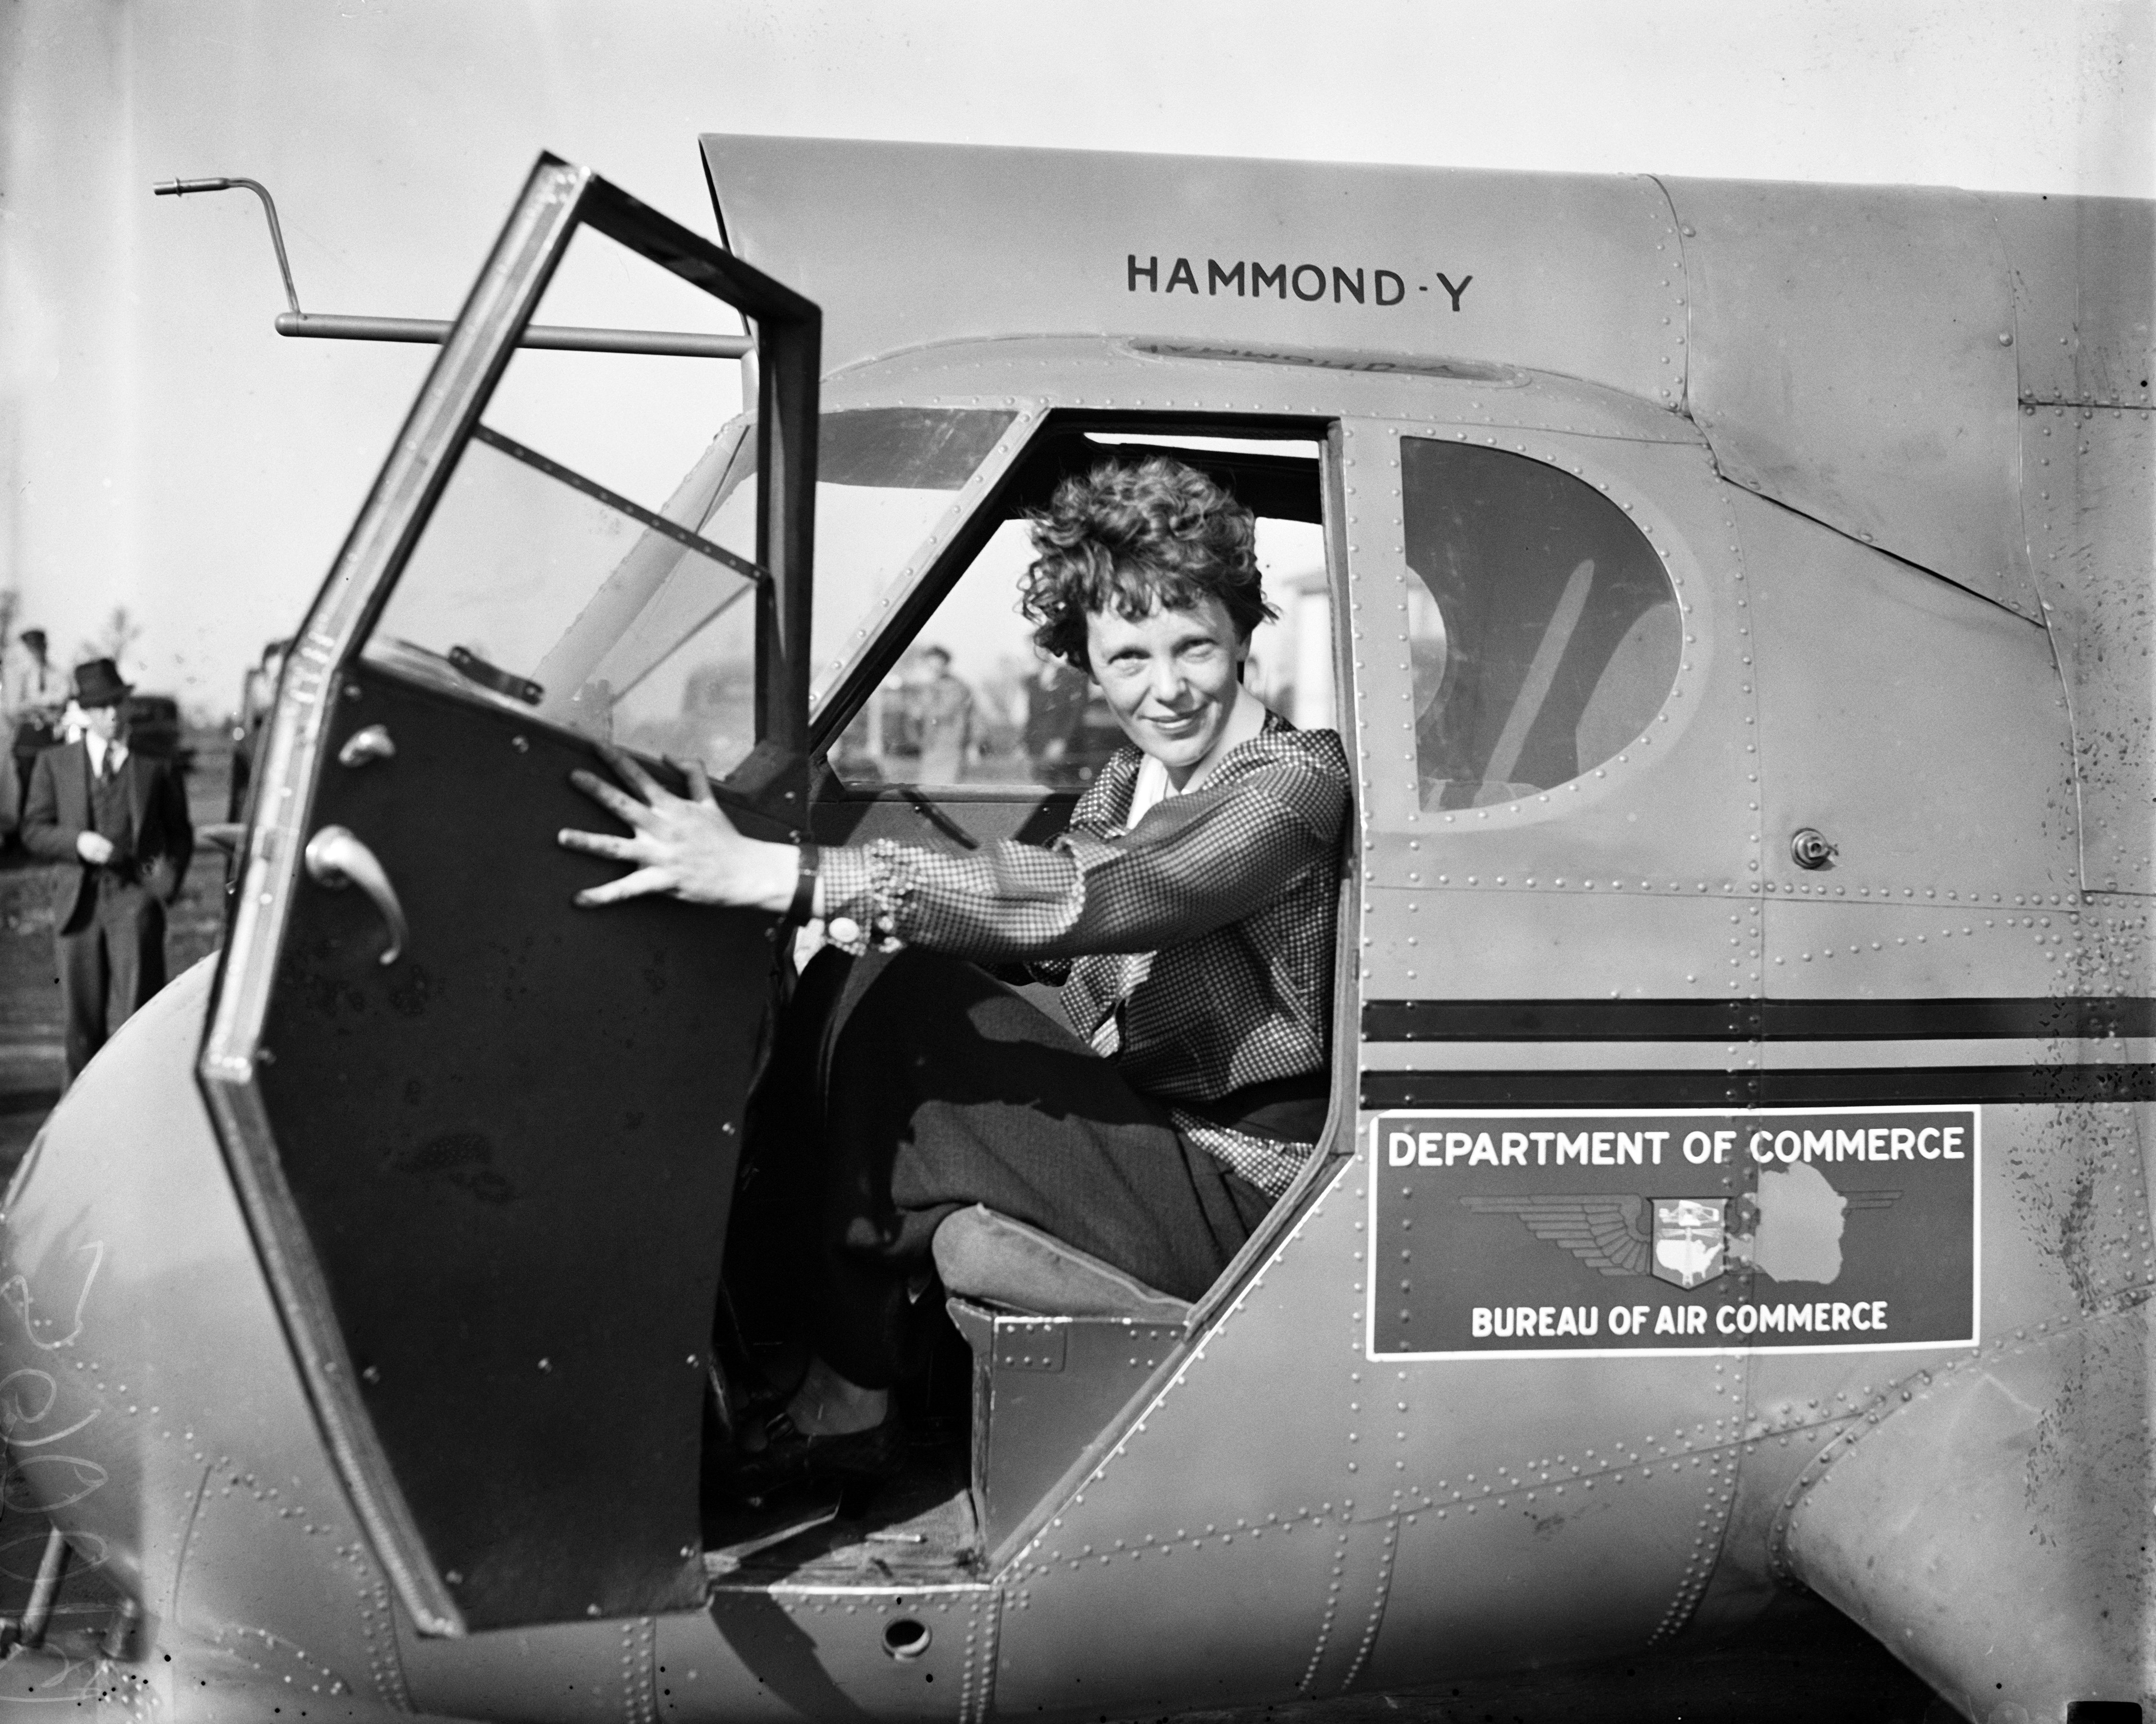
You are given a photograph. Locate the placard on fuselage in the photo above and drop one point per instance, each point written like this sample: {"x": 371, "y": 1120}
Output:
{"x": 1522, "y": 1234}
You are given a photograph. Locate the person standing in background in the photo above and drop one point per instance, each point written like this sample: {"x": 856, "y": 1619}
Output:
{"x": 943, "y": 709}
{"x": 121, "y": 821}
{"x": 32, "y": 696}
{"x": 1055, "y": 697}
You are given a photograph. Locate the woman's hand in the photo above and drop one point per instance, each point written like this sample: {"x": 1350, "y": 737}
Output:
{"x": 682, "y": 845}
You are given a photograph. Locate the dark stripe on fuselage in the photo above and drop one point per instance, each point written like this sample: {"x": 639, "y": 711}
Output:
{"x": 1753, "y": 1020}
{"x": 1858, "y": 1086}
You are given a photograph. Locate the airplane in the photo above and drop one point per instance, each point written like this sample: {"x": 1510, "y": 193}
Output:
{"x": 1735, "y": 598}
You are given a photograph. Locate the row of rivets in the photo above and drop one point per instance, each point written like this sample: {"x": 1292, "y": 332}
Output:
{"x": 640, "y": 1679}
{"x": 1883, "y": 898}
{"x": 1705, "y": 1547}
{"x": 1377, "y": 1612}
{"x": 1672, "y": 242}
{"x": 2101, "y": 751}
{"x": 1754, "y": 983}
{"x": 1308, "y": 1685}
{"x": 977, "y": 1669}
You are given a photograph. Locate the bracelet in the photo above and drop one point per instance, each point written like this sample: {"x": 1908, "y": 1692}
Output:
{"x": 804, "y": 884}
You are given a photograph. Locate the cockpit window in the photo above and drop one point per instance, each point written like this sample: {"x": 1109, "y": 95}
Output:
{"x": 973, "y": 702}
{"x": 885, "y": 475}
{"x": 1544, "y": 633}
{"x": 535, "y": 585}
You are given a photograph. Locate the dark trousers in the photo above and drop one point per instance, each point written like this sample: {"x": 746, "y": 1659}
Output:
{"x": 109, "y": 966}
{"x": 908, "y": 1085}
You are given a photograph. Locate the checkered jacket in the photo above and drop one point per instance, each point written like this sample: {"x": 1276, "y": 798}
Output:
{"x": 1195, "y": 949}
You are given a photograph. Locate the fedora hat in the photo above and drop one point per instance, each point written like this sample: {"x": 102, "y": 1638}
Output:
{"x": 97, "y": 684}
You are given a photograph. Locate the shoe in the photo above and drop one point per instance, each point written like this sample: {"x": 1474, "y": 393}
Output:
{"x": 791, "y": 1456}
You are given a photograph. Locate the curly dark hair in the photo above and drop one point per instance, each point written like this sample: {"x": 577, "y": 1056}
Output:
{"x": 1137, "y": 536}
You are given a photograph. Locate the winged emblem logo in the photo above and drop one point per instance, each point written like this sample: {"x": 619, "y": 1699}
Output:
{"x": 1688, "y": 1241}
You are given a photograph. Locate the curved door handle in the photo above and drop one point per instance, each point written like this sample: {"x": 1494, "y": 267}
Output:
{"x": 334, "y": 858}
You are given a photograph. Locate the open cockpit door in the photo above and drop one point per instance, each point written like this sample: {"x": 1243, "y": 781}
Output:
{"x": 486, "y": 1141}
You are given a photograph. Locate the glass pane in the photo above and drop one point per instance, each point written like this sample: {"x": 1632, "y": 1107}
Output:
{"x": 884, "y": 477}
{"x": 972, "y": 702}
{"x": 634, "y": 422}
{"x": 527, "y": 590}
{"x": 1546, "y": 634}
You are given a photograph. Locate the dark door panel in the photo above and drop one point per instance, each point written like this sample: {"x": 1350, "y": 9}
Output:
{"x": 489, "y": 1179}
{"x": 528, "y": 1091}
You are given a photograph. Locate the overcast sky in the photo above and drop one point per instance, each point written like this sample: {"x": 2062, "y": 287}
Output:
{"x": 162, "y": 449}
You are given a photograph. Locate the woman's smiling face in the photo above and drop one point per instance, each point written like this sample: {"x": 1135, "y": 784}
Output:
{"x": 1171, "y": 678}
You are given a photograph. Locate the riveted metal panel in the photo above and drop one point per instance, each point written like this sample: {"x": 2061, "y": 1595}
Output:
{"x": 1922, "y": 731}
{"x": 2118, "y": 945}
{"x": 2084, "y": 274}
{"x": 1028, "y": 1345}
{"x": 1204, "y": 1559}
{"x": 2030, "y": 1461}
{"x": 1796, "y": 1405}
{"x": 2065, "y": 1239}
{"x": 1594, "y": 1531}
{"x": 154, "y": 1410}
{"x": 1852, "y": 357}
{"x": 790, "y": 1652}
{"x": 1566, "y": 935}
{"x": 907, "y": 242}
{"x": 564, "y": 1673}
{"x": 1043, "y": 1388}
{"x": 2089, "y": 495}
{"x": 1948, "y": 941}
{"x": 1207, "y": 1554}
{"x": 1624, "y": 879}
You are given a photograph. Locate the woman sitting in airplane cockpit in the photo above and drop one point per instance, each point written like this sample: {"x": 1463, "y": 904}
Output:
{"x": 1188, "y": 913}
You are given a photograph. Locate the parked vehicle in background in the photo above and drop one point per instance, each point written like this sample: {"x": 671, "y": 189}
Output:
{"x": 154, "y": 728}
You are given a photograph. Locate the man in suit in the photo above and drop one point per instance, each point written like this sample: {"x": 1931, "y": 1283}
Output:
{"x": 121, "y": 821}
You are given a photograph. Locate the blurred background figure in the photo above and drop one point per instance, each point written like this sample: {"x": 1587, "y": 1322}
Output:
{"x": 258, "y": 694}
{"x": 943, "y": 714}
{"x": 1055, "y": 697}
{"x": 34, "y": 694}
{"x": 120, "y": 818}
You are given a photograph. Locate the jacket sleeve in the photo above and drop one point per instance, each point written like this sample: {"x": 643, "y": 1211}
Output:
{"x": 43, "y": 834}
{"x": 1192, "y": 864}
